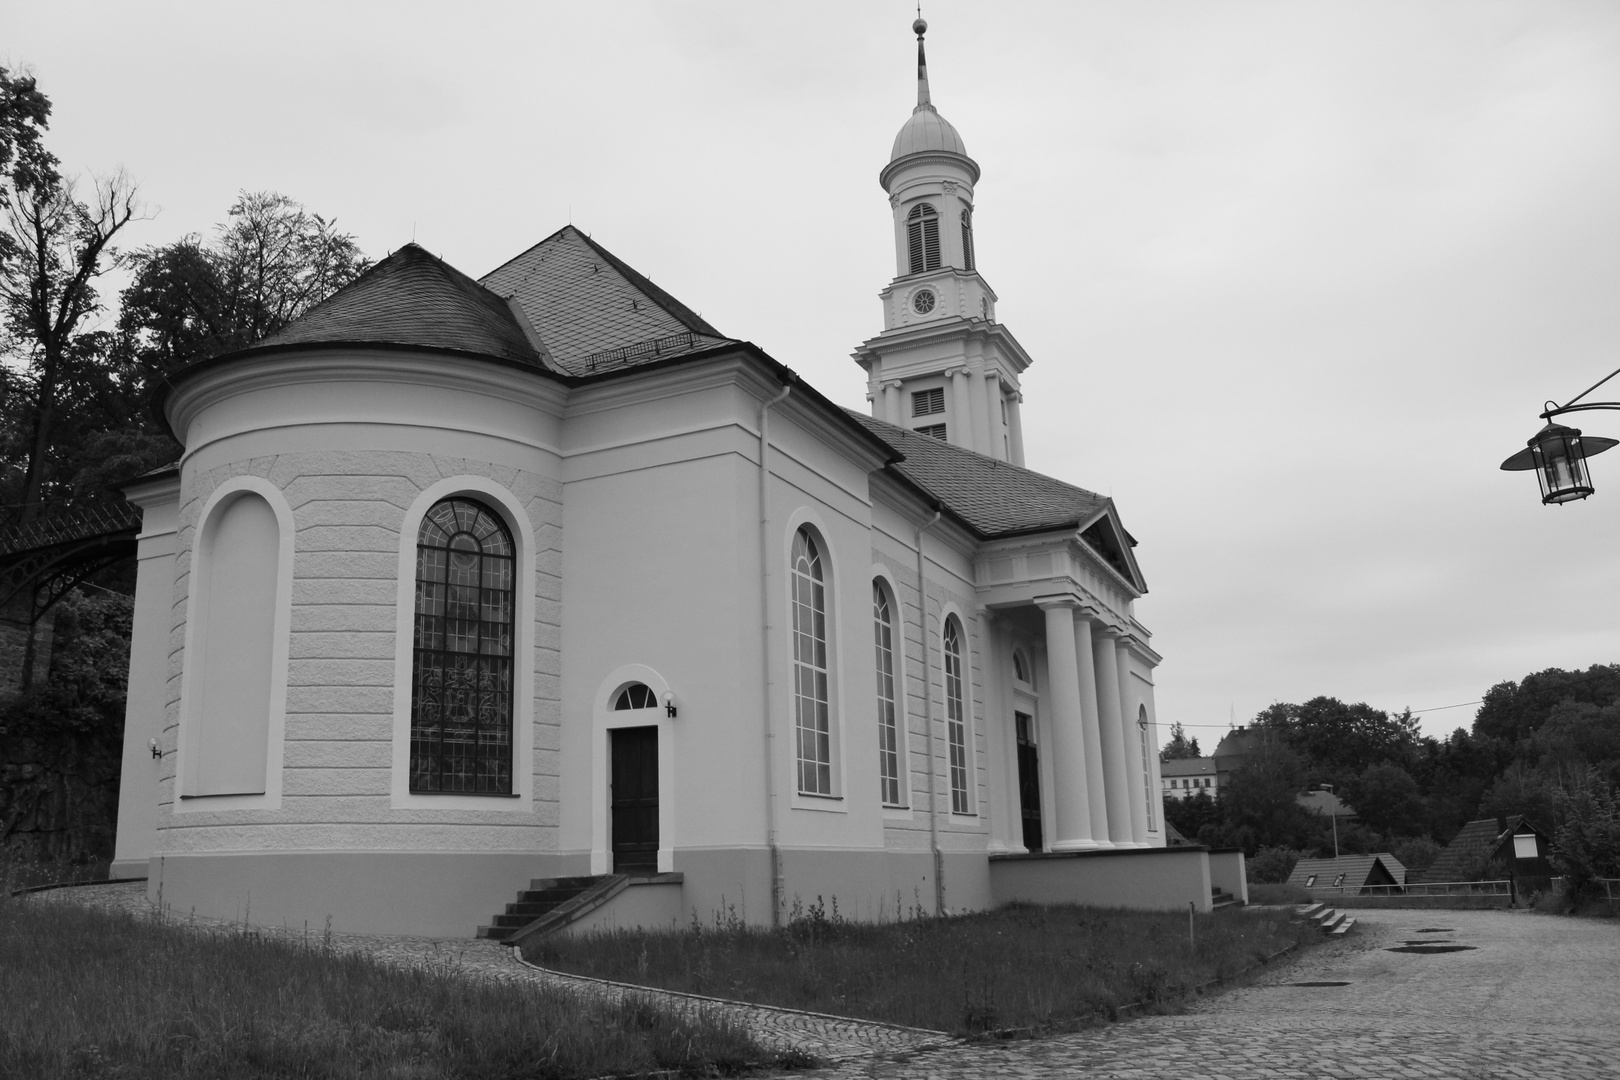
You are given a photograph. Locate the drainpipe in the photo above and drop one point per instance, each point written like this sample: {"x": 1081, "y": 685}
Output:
{"x": 765, "y": 563}
{"x": 928, "y": 717}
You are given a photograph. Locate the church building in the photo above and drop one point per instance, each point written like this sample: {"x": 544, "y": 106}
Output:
{"x": 465, "y": 583}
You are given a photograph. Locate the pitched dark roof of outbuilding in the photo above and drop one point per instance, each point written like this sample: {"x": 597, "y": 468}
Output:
{"x": 1357, "y": 870}
{"x": 412, "y": 298}
{"x": 1469, "y": 854}
{"x": 593, "y": 311}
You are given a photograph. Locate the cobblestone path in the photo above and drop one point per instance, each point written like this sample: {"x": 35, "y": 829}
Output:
{"x": 1535, "y": 996}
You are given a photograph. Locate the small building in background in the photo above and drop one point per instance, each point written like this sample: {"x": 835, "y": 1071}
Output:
{"x": 1186, "y": 777}
{"x": 1348, "y": 874}
{"x": 1494, "y": 849}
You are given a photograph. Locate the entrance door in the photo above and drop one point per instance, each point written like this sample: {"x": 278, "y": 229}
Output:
{"x": 634, "y": 799}
{"x": 1029, "y": 780}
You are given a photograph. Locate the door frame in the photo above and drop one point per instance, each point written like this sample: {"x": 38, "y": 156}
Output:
{"x": 1023, "y": 701}
{"x": 606, "y": 718}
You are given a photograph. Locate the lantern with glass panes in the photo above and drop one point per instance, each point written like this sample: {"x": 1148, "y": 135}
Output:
{"x": 1558, "y": 453}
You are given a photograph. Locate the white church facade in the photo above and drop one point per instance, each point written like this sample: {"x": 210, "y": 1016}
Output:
{"x": 462, "y": 583}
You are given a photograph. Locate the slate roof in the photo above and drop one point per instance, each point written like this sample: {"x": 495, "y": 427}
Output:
{"x": 1469, "y": 854}
{"x": 1358, "y": 870}
{"x": 1195, "y": 766}
{"x": 593, "y": 312}
{"x": 991, "y": 496}
{"x": 412, "y": 298}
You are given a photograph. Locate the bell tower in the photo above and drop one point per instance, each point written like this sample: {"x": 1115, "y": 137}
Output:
{"x": 942, "y": 364}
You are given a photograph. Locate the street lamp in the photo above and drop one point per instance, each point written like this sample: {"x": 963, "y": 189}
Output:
{"x": 1558, "y": 453}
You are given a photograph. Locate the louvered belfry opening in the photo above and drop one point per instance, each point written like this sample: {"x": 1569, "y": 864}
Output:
{"x": 928, "y": 402}
{"x": 461, "y": 672}
{"x": 922, "y": 237}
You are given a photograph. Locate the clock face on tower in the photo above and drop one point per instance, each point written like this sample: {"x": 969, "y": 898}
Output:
{"x": 923, "y": 302}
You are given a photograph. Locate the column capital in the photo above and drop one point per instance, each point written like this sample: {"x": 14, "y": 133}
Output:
{"x": 1047, "y": 603}
{"x": 892, "y": 384}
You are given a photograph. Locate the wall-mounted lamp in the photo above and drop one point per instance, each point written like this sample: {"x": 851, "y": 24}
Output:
{"x": 669, "y": 704}
{"x": 152, "y": 744}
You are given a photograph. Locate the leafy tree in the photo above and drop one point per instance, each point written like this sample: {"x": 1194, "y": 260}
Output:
{"x": 1587, "y": 844}
{"x": 269, "y": 262}
{"x": 1512, "y": 712}
{"x": 1191, "y": 814}
{"x": 1272, "y": 865}
{"x": 1179, "y": 746}
{"x": 1387, "y": 800}
{"x": 53, "y": 249}
{"x": 1345, "y": 739}
{"x": 1417, "y": 853}
{"x": 1258, "y": 803}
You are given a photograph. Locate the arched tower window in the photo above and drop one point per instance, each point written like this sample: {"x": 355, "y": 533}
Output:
{"x": 461, "y": 675}
{"x": 888, "y": 729}
{"x": 1147, "y": 764}
{"x": 635, "y": 696}
{"x": 956, "y": 717}
{"x": 1021, "y": 669}
{"x": 967, "y": 239}
{"x": 922, "y": 238}
{"x": 810, "y": 697}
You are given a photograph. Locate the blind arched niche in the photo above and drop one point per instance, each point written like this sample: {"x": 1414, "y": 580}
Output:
{"x": 234, "y": 648}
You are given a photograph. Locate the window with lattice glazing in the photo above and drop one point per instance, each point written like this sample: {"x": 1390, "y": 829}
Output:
{"x": 888, "y": 730}
{"x": 922, "y": 238}
{"x": 1147, "y": 766}
{"x": 812, "y": 723}
{"x": 967, "y": 239}
{"x": 461, "y": 670}
{"x": 956, "y": 718}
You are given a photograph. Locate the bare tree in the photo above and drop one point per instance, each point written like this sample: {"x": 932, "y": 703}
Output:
{"x": 56, "y": 248}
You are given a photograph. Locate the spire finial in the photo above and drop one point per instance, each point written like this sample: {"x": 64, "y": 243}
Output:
{"x": 920, "y": 27}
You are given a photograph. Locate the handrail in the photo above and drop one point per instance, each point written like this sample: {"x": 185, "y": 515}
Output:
{"x": 1501, "y": 887}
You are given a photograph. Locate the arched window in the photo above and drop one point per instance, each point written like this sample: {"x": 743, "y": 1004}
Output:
{"x": 1147, "y": 765}
{"x": 461, "y": 676}
{"x": 1021, "y": 668}
{"x": 888, "y": 730}
{"x": 922, "y": 238}
{"x": 635, "y": 696}
{"x": 956, "y": 717}
{"x": 810, "y": 697}
{"x": 967, "y": 239}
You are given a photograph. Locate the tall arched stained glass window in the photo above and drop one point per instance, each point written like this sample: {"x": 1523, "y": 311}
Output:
{"x": 922, "y": 238}
{"x": 461, "y": 675}
{"x": 888, "y": 730}
{"x": 956, "y": 718}
{"x": 812, "y": 724}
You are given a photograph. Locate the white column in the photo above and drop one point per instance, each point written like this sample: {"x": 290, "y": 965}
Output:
{"x": 1117, "y": 782}
{"x": 995, "y": 721}
{"x": 995, "y": 445}
{"x": 1015, "y": 428}
{"x": 1134, "y": 762}
{"x": 961, "y": 430}
{"x": 1096, "y": 783}
{"x": 892, "y": 405}
{"x": 1072, "y": 829}
{"x": 981, "y": 412}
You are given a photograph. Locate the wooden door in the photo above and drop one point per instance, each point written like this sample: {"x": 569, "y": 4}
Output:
{"x": 1029, "y": 780}
{"x": 634, "y": 799}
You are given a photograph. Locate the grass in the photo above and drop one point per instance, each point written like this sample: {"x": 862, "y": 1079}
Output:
{"x": 1278, "y": 894}
{"x": 1018, "y": 967}
{"x": 92, "y": 994}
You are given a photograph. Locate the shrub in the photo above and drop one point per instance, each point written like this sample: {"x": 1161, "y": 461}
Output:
{"x": 1272, "y": 865}
{"x": 1417, "y": 853}
{"x": 1587, "y": 844}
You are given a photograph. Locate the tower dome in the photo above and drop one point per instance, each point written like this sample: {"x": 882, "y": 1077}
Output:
{"x": 926, "y": 132}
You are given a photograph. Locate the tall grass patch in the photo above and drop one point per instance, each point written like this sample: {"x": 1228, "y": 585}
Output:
{"x": 92, "y": 994}
{"x": 1020, "y": 966}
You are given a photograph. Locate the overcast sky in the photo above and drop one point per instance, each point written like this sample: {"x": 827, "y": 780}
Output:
{"x": 1296, "y": 276}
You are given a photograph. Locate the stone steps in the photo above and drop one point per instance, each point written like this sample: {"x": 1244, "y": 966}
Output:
{"x": 1328, "y": 920}
{"x": 541, "y": 898}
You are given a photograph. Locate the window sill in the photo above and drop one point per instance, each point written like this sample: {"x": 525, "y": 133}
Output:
{"x": 224, "y": 795}
{"x": 815, "y": 795}
{"x": 466, "y": 794}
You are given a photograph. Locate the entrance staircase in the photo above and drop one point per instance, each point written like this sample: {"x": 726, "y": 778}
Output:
{"x": 544, "y": 896}
{"x": 1220, "y": 898}
{"x": 1330, "y": 921}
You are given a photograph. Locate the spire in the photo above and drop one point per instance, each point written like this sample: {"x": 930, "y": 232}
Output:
{"x": 921, "y": 28}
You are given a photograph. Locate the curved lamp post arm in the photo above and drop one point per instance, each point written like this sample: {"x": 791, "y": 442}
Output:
{"x": 1554, "y": 409}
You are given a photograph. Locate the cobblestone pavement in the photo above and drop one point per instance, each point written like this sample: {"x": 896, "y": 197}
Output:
{"x": 829, "y": 1038}
{"x": 1534, "y": 996}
